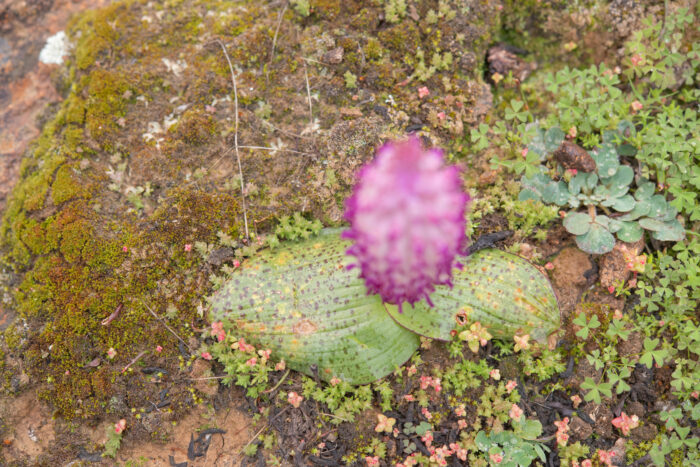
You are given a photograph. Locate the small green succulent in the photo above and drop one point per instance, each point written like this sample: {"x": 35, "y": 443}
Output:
{"x": 607, "y": 188}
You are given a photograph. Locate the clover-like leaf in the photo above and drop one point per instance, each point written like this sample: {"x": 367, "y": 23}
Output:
{"x": 553, "y": 138}
{"x": 624, "y": 204}
{"x": 672, "y": 232}
{"x": 555, "y": 193}
{"x": 657, "y": 206}
{"x": 598, "y": 240}
{"x": 645, "y": 190}
{"x": 533, "y": 187}
{"x": 641, "y": 209}
{"x": 606, "y": 160}
{"x": 577, "y": 223}
{"x": 630, "y": 232}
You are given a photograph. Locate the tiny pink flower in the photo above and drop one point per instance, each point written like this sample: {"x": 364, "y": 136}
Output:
{"x": 587, "y": 463}
{"x": 606, "y": 457}
{"x": 611, "y": 289}
{"x": 385, "y": 424}
{"x": 188, "y": 246}
{"x": 120, "y": 426}
{"x": 427, "y": 438}
{"x": 521, "y": 342}
{"x": 281, "y": 365}
{"x": 217, "y": 329}
{"x": 335, "y": 381}
{"x": 572, "y": 132}
{"x": 236, "y": 263}
{"x": 524, "y": 152}
{"x": 265, "y": 354}
{"x": 636, "y": 59}
{"x": 371, "y": 461}
{"x": 294, "y": 399}
{"x": 210, "y": 108}
{"x": 515, "y": 412}
{"x": 441, "y": 115}
{"x": 496, "y": 458}
{"x": 576, "y": 399}
{"x": 695, "y": 394}
{"x": 625, "y": 423}
{"x": 206, "y": 355}
{"x": 461, "y": 411}
{"x": 159, "y": 348}
{"x": 411, "y": 370}
{"x": 252, "y": 361}
{"x": 425, "y": 381}
{"x": 617, "y": 314}
{"x": 426, "y": 413}
{"x": 636, "y": 106}
{"x": 549, "y": 266}
{"x": 111, "y": 353}
{"x": 510, "y": 385}
{"x": 462, "y": 423}
{"x": 422, "y": 92}
{"x": 409, "y": 398}
{"x": 495, "y": 374}
{"x": 125, "y": 248}
{"x": 67, "y": 373}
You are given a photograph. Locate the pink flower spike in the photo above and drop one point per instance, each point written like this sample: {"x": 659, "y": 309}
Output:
{"x": 407, "y": 222}
{"x": 206, "y": 355}
{"x": 120, "y": 426}
{"x": 294, "y": 399}
{"x": 159, "y": 348}
{"x": 422, "y": 92}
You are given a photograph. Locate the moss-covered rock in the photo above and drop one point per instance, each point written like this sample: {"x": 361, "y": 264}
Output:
{"x": 139, "y": 161}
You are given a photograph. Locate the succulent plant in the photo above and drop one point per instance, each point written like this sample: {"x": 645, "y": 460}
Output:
{"x": 302, "y": 302}
{"x": 607, "y": 188}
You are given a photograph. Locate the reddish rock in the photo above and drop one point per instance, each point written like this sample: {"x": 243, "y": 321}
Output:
{"x": 571, "y": 156}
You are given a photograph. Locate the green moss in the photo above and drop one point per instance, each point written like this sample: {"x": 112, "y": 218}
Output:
{"x": 105, "y": 104}
{"x": 66, "y": 186}
{"x": 195, "y": 127}
{"x": 94, "y": 33}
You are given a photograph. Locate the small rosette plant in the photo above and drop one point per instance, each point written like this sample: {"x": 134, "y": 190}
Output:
{"x": 407, "y": 222}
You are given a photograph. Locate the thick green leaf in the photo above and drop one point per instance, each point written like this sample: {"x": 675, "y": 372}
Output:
{"x": 645, "y": 190}
{"x": 597, "y": 240}
{"x": 577, "y": 223}
{"x": 606, "y": 160}
{"x": 504, "y": 292}
{"x": 302, "y": 302}
{"x": 553, "y": 139}
{"x": 624, "y": 204}
{"x": 630, "y": 232}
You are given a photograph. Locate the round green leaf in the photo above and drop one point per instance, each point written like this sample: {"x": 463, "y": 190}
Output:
{"x": 553, "y": 139}
{"x": 624, "y": 204}
{"x": 606, "y": 160}
{"x": 652, "y": 224}
{"x": 645, "y": 190}
{"x": 598, "y": 240}
{"x": 577, "y": 223}
{"x": 673, "y": 232}
{"x": 504, "y": 292}
{"x": 303, "y": 303}
{"x": 630, "y": 232}
{"x": 658, "y": 206}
